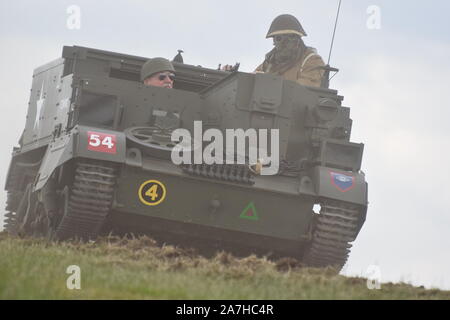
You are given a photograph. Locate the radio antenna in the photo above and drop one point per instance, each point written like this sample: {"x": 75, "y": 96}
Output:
{"x": 334, "y": 31}
{"x": 325, "y": 83}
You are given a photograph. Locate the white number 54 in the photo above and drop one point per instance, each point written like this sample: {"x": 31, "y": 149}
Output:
{"x": 94, "y": 140}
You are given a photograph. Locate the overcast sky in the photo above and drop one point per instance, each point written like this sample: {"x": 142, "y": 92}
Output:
{"x": 395, "y": 78}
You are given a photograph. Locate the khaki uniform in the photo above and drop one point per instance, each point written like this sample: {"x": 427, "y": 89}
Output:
{"x": 305, "y": 70}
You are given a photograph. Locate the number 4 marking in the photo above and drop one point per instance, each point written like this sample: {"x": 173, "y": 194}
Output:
{"x": 152, "y": 192}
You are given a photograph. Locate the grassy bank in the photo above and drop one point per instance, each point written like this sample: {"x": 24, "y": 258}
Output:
{"x": 138, "y": 269}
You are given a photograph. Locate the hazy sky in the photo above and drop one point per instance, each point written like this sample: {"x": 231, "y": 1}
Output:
{"x": 395, "y": 79}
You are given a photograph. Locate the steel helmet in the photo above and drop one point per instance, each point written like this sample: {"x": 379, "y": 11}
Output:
{"x": 285, "y": 24}
{"x": 155, "y": 65}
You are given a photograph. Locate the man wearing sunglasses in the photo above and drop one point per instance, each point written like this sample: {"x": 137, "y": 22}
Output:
{"x": 158, "y": 72}
{"x": 290, "y": 57}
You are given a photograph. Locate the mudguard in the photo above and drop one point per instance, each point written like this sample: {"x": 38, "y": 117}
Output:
{"x": 340, "y": 185}
{"x": 84, "y": 142}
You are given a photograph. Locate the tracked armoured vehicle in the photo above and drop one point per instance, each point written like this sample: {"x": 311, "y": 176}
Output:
{"x": 94, "y": 157}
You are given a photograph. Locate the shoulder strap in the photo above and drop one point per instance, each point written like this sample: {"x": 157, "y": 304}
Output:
{"x": 312, "y": 54}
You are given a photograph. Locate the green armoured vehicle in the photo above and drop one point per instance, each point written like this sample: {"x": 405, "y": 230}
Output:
{"x": 94, "y": 157}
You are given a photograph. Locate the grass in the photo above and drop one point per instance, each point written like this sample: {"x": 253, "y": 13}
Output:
{"x": 115, "y": 268}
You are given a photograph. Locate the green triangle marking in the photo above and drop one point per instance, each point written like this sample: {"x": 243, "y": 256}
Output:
{"x": 249, "y": 212}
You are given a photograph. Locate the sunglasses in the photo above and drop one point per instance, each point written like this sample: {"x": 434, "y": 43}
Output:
{"x": 280, "y": 38}
{"x": 162, "y": 76}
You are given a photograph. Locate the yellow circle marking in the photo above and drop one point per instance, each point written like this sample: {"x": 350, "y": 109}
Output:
{"x": 152, "y": 196}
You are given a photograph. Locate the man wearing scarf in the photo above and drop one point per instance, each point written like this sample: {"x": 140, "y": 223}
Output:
{"x": 291, "y": 58}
